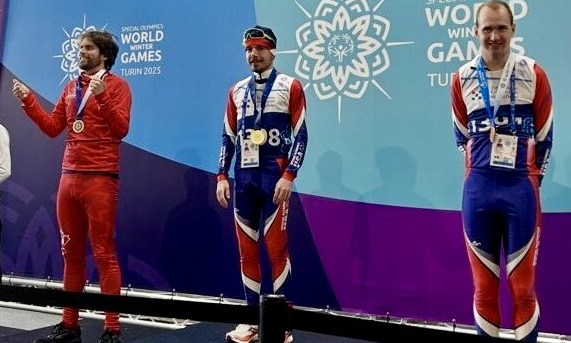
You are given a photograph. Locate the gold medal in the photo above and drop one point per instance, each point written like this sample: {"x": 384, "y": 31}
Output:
{"x": 258, "y": 137}
{"x": 492, "y": 133}
{"x": 78, "y": 126}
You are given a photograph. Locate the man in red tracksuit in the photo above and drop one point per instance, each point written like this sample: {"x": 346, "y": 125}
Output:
{"x": 94, "y": 110}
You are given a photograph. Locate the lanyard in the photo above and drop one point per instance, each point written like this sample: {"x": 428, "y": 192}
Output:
{"x": 507, "y": 73}
{"x": 80, "y": 98}
{"x": 251, "y": 92}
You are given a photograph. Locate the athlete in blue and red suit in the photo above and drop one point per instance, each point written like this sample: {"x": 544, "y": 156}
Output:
{"x": 264, "y": 126}
{"x": 94, "y": 110}
{"x": 502, "y": 114}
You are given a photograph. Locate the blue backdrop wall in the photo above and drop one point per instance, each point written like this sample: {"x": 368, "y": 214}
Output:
{"x": 375, "y": 223}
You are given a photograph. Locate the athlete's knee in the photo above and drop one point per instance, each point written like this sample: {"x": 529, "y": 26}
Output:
{"x": 278, "y": 256}
{"x": 105, "y": 261}
{"x": 522, "y": 290}
{"x": 486, "y": 295}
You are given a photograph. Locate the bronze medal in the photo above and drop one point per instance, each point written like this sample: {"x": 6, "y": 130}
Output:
{"x": 258, "y": 137}
{"x": 492, "y": 134}
{"x": 78, "y": 126}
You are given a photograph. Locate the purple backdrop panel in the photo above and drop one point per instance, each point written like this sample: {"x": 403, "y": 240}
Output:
{"x": 554, "y": 273}
{"x": 412, "y": 262}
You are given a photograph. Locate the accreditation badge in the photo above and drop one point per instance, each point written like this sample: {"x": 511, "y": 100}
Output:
{"x": 504, "y": 151}
{"x": 250, "y": 154}
{"x": 258, "y": 137}
{"x": 78, "y": 126}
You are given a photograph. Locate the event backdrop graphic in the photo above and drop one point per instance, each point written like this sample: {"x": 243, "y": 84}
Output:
{"x": 375, "y": 225}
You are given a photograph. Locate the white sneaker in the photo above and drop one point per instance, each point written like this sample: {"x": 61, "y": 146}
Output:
{"x": 243, "y": 333}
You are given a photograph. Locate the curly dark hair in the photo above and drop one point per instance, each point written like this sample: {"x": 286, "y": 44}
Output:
{"x": 106, "y": 44}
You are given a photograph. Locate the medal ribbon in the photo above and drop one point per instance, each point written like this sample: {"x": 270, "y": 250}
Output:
{"x": 507, "y": 73}
{"x": 82, "y": 99}
{"x": 251, "y": 92}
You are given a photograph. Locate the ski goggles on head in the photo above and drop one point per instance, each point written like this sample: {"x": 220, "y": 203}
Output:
{"x": 257, "y": 33}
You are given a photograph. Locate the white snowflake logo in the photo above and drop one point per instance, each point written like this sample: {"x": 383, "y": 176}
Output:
{"x": 342, "y": 49}
{"x": 70, "y": 51}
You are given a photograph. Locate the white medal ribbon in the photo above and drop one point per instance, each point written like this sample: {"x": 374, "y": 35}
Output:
{"x": 503, "y": 84}
{"x": 100, "y": 74}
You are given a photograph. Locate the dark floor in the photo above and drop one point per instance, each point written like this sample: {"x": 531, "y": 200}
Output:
{"x": 214, "y": 333}
{"x": 91, "y": 329}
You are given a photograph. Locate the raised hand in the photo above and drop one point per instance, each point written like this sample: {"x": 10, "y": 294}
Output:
{"x": 20, "y": 90}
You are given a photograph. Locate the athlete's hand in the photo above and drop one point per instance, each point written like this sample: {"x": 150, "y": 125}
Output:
{"x": 223, "y": 193}
{"x": 97, "y": 85}
{"x": 282, "y": 192}
{"x": 19, "y": 89}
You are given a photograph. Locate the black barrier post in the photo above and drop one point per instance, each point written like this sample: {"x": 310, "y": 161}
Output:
{"x": 273, "y": 318}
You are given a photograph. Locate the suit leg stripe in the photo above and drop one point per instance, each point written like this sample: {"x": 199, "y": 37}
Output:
{"x": 251, "y": 284}
{"x": 253, "y": 234}
{"x": 515, "y": 258}
{"x": 489, "y": 328}
{"x": 493, "y": 267}
{"x": 281, "y": 279}
{"x": 270, "y": 220}
{"x": 528, "y": 327}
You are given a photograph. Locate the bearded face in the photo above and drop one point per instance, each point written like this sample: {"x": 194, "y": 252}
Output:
{"x": 90, "y": 58}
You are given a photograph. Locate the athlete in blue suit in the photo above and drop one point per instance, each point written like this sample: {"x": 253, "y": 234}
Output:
{"x": 264, "y": 126}
{"x": 502, "y": 113}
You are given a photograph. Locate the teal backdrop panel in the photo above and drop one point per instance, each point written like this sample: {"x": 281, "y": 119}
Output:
{"x": 377, "y": 75}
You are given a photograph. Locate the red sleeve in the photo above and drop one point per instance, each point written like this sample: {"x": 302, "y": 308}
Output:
{"x": 229, "y": 132}
{"x": 231, "y": 112}
{"x": 51, "y": 124}
{"x": 542, "y": 102}
{"x": 115, "y": 103}
{"x": 458, "y": 105}
{"x": 296, "y": 104}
